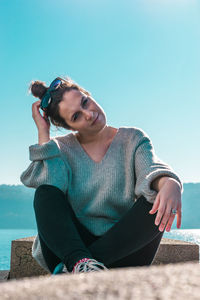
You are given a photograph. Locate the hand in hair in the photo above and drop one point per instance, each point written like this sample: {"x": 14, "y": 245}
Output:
{"x": 41, "y": 122}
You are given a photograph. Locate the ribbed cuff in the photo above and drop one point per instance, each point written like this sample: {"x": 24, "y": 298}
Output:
{"x": 161, "y": 173}
{"x": 45, "y": 151}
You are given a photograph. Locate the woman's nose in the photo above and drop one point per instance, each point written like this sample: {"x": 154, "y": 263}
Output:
{"x": 88, "y": 115}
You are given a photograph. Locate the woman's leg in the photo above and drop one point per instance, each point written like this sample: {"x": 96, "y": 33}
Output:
{"x": 59, "y": 237}
{"x": 135, "y": 231}
{"x": 123, "y": 243}
{"x": 147, "y": 247}
{"x": 50, "y": 258}
{"x": 142, "y": 257}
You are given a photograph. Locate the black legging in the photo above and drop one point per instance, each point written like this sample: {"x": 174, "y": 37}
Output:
{"x": 132, "y": 241}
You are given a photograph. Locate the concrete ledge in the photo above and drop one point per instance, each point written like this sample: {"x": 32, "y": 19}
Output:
{"x": 176, "y": 251}
{"x": 172, "y": 281}
{"x": 4, "y": 275}
{"x": 24, "y": 265}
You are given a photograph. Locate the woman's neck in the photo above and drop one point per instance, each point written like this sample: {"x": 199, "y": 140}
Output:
{"x": 104, "y": 135}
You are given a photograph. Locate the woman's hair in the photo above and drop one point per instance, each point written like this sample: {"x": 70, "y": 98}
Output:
{"x": 39, "y": 88}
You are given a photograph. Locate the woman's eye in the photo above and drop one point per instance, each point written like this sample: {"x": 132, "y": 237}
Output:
{"x": 75, "y": 116}
{"x": 85, "y": 102}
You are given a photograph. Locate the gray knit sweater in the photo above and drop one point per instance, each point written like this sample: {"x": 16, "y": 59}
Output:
{"x": 99, "y": 193}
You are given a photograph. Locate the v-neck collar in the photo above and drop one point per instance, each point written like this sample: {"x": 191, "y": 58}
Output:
{"x": 85, "y": 154}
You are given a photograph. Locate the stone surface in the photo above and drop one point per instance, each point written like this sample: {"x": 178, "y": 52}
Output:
{"x": 172, "y": 281}
{"x": 4, "y": 275}
{"x": 24, "y": 265}
{"x": 175, "y": 251}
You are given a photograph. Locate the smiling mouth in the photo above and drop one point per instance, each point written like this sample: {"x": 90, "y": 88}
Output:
{"x": 95, "y": 119}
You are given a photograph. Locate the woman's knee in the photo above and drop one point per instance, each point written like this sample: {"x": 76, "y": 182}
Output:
{"x": 45, "y": 191}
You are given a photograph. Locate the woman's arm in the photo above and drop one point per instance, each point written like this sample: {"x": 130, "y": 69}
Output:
{"x": 158, "y": 183}
{"x": 47, "y": 167}
{"x": 150, "y": 171}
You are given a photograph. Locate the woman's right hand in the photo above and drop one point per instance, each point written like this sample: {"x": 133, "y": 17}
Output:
{"x": 41, "y": 122}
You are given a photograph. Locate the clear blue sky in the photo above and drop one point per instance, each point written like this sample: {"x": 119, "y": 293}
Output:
{"x": 139, "y": 59}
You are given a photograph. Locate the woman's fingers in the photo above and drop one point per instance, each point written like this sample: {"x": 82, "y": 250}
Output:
{"x": 35, "y": 108}
{"x": 178, "y": 220}
{"x": 179, "y": 215}
{"x": 36, "y": 112}
{"x": 160, "y": 213}
{"x": 41, "y": 121}
{"x": 165, "y": 218}
{"x": 168, "y": 198}
{"x": 155, "y": 205}
{"x": 170, "y": 221}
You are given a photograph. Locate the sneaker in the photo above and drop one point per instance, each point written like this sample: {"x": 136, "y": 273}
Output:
{"x": 88, "y": 265}
{"x": 60, "y": 269}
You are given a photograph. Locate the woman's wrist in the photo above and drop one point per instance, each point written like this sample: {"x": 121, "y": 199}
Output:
{"x": 43, "y": 137}
{"x": 169, "y": 180}
{"x": 158, "y": 183}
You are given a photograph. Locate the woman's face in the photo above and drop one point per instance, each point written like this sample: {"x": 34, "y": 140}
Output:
{"x": 80, "y": 111}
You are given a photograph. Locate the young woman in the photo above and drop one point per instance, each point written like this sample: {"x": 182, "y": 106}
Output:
{"x": 103, "y": 198}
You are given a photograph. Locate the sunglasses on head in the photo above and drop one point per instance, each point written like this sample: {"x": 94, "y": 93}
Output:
{"x": 46, "y": 100}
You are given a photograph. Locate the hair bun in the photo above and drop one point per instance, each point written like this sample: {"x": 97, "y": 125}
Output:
{"x": 38, "y": 89}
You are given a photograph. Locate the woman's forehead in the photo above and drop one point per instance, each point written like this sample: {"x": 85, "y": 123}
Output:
{"x": 72, "y": 94}
{"x": 70, "y": 103}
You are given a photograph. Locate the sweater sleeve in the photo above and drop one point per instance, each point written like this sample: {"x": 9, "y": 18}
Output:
{"x": 46, "y": 167}
{"x": 148, "y": 167}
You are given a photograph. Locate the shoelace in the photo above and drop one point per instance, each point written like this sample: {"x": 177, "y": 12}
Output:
{"x": 88, "y": 265}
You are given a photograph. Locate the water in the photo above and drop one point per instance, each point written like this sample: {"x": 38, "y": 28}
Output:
{"x": 7, "y": 235}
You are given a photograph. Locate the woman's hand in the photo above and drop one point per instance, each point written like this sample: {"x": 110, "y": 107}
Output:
{"x": 168, "y": 198}
{"x": 41, "y": 122}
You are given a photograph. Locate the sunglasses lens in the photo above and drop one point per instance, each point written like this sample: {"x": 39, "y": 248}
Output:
{"x": 47, "y": 98}
{"x": 55, "y": 83}
{"x": 45, "y": 101}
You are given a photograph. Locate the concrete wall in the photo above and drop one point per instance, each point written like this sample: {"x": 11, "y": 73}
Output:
{"x": 24, "y": 265}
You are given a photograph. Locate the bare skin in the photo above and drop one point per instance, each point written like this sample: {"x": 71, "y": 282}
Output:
{"x": 83, "y": 115}
{"x": 42, "y": 124}
{"x": 95, "y": 138}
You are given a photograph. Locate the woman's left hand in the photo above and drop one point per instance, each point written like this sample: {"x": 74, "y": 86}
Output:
{"x": 168, "y": 198}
